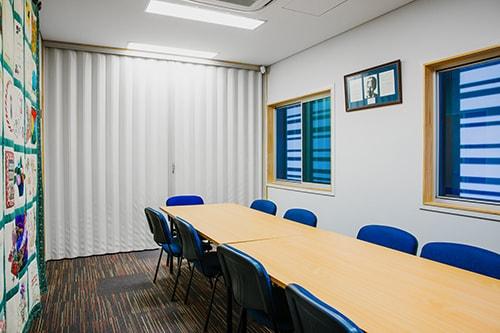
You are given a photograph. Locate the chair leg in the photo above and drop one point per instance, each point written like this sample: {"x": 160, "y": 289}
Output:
{"x": 211, "y": 303}
{"x": 179, "y": 263}
{"x": 275, "y": 327}
{"x": 189, "y": 285}
{"x": 172, "y": 264}
{"x": 158, "y": 265}
{"x": 242, "y": 324}
{"x": 168, "y": 259}
{"x": 229, "y": 310}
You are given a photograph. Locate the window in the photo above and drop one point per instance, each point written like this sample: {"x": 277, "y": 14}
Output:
{"x": 466, "y": 161}
{"x": 301, "y": 142}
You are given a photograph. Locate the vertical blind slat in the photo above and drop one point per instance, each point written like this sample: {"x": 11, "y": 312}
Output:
{"x": 115, "y": 124}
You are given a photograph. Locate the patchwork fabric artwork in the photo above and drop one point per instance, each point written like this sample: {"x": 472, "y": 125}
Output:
{"x": 20, "y": 256}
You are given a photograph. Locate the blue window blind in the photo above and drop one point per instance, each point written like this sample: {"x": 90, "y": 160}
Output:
{"x": 303, "y": 142}
{"x": 316, "y": 142}
{"x": 289, "y": 142}
{"x": 469, "y": 131}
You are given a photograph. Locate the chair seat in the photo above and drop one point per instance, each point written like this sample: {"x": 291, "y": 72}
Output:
{"x": 174, "y": 248}
{"x": 210, "y": 265}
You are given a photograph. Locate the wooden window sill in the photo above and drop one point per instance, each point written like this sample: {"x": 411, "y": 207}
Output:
{"x": 466, "y": 208}
{"x": 298, "y": 187}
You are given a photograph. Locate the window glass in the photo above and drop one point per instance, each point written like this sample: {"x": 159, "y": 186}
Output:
{"x": 303, "y": 141}
{"x": 289, "y": 143}
{"x": 316, "y": 142}
{"x": 469, "y": 131}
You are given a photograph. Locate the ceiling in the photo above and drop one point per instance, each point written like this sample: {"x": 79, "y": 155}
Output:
{"x": 291, "y": 26}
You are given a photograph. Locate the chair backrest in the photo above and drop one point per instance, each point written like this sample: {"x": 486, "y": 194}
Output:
{"x": 302, "y": 216}
{"x": 191, "y": 244}
{"x": 185, "y": 200}
{"x": 390, "y": 237}
{"x": 311, "y": 315}
{"x": 266, "y": 206}
{"x": 158, "y": 226}
{"x": 471, "y": 258}
{"x": 247, "y": 278}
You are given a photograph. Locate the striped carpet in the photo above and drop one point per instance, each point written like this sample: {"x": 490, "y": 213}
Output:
{"x": 115, "y": 293}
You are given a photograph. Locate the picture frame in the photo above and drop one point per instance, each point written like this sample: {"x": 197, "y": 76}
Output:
{"x": 373, "y": 87}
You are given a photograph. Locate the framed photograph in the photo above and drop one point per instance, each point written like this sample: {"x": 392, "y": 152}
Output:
{"x": 373, "y": 87}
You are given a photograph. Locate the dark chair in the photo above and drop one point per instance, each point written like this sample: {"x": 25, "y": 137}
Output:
{"x": 205, "y": 262}
{"x": 302, "y": 216}
{"x": 250, "y": 286}
{"x": 471, "y": 258}
{"x": 390, "y": 237}
{"x": 162, "y": 236}
{"x": 311, "y": 315}
{"x": 265, "y": 206}
{"x": 185, "y": 200}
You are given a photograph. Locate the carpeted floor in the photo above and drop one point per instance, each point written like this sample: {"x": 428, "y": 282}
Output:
{"x": 115, "y": 293}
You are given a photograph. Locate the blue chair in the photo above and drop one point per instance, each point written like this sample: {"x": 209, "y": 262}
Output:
{"x": 185, "y": 200}
{"x": 250, "y": 286}
{"x": 206, "y": 263}
{"x": 265, "y": 206}
{"x": 471, "y": 258}
{"x": 161, "y": 234}
{"x": 311, "y": 315}
{"x": 302, "y": 216}
{"x": 390, "y": 237}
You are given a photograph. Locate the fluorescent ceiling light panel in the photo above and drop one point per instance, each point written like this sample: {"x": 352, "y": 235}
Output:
{"x": 201, "y": 14}
{"x": 170, "y": 50}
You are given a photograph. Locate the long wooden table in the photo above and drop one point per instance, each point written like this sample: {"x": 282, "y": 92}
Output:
{"x": 380, "y": 289}
{"x": 232, "y": 223}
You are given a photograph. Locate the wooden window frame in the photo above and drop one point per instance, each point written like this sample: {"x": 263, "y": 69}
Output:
{"x": 271, "y": 154}
{"x": 430, "y": 197}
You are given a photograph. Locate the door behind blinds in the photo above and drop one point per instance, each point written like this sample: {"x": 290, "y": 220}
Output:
{"x": 218, "y": 135}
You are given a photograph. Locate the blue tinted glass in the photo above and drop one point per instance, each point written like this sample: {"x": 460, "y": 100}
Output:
{"x": 469, "y": 131}
{"x": 316, "y": 147}
{"x": 289, "y": 143}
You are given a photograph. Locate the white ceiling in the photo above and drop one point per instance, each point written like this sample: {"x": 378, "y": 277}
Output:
{"x": 287, "y": 31}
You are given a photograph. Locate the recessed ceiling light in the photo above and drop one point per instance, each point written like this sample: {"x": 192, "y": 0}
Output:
{"x": 170, "y": 50}
{"x": 200, "y": 14}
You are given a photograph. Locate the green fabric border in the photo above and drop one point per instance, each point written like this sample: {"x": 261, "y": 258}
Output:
{"x": 30, "y": 151}
{"x": 26, "y": 267}
{"x": 18, "y": 17}
{"x": 34, "y": 313}
{"x": 40, "y": 212}
{"x": 11, "y": 292}
{"x": 19, "y": 84}
{"x": 19, "y": 148}
{"x": 7, "y": 67}
{"x": 20, "y": 210}
{"x": 9, "y": 218}
{"x": 40, "y": 217}
{"x": 8, "y": 142}
{"x": 30, "y": 204}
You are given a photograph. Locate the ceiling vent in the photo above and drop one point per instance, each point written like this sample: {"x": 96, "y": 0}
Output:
{"x": 240, "y": 5}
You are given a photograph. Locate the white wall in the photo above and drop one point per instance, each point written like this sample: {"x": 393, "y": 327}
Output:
{"x": 378, "y": 157}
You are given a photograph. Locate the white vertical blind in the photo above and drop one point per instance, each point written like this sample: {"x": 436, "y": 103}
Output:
{"x": 114, "y": 125}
